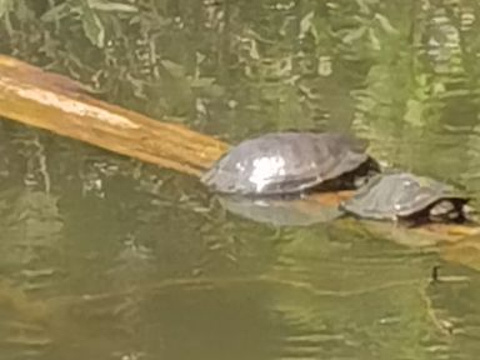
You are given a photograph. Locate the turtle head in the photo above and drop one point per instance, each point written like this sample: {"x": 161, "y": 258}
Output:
{"x": 365, "y": 172}
{"x": 449, "y": 211}
{"x": 470, "y": 213}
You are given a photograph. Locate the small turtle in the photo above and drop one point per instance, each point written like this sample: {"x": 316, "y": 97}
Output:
{"x": 405, "y": 197}
{"x": 291, "y": 162}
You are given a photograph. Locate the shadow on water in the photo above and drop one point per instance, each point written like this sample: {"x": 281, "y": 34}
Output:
{"x": 104, "y": 258}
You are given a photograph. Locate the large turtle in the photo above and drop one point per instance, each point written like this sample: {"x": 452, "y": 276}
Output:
{"x": 291, "y": 162}
{"x": 412, "y": 199}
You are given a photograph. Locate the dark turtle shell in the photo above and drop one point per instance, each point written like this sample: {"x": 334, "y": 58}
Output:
{"x": 404, "y": 196}
{"x": 286, "y": 163}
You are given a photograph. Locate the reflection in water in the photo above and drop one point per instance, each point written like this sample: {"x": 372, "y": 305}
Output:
{"x": 104, "y": 258}
{"x": 278, "y": 212}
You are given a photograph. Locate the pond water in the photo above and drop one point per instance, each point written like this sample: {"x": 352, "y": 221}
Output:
{"x": 103, "y": 257}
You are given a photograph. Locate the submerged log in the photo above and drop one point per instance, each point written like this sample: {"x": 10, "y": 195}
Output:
{"x": 56, "y": 103}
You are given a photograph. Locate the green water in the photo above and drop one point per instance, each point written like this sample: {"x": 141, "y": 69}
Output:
{"x": 103, "y": 257}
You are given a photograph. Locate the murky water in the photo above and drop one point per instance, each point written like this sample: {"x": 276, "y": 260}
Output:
{"x": 106, "y": 258}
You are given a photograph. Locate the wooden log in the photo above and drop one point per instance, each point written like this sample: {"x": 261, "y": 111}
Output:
{"x": 58, "y": 104}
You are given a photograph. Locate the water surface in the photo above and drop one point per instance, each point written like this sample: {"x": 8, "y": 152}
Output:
{"x": 106, "y": 258}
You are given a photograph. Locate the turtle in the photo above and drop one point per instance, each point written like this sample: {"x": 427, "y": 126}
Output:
{"x": 291, "y": 163}
{"x": 408, "y": 198}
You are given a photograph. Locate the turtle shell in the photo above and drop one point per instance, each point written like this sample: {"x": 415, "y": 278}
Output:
{"x": 399, "y": 195}
{"x": 283, "y": 163}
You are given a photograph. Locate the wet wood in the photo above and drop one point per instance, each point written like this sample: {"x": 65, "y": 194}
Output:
{"x": 451, "y": 232}
{"x": 466, "y": 251}
{"x": 56, "y": 103}
{"x": 332, "y": 199}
